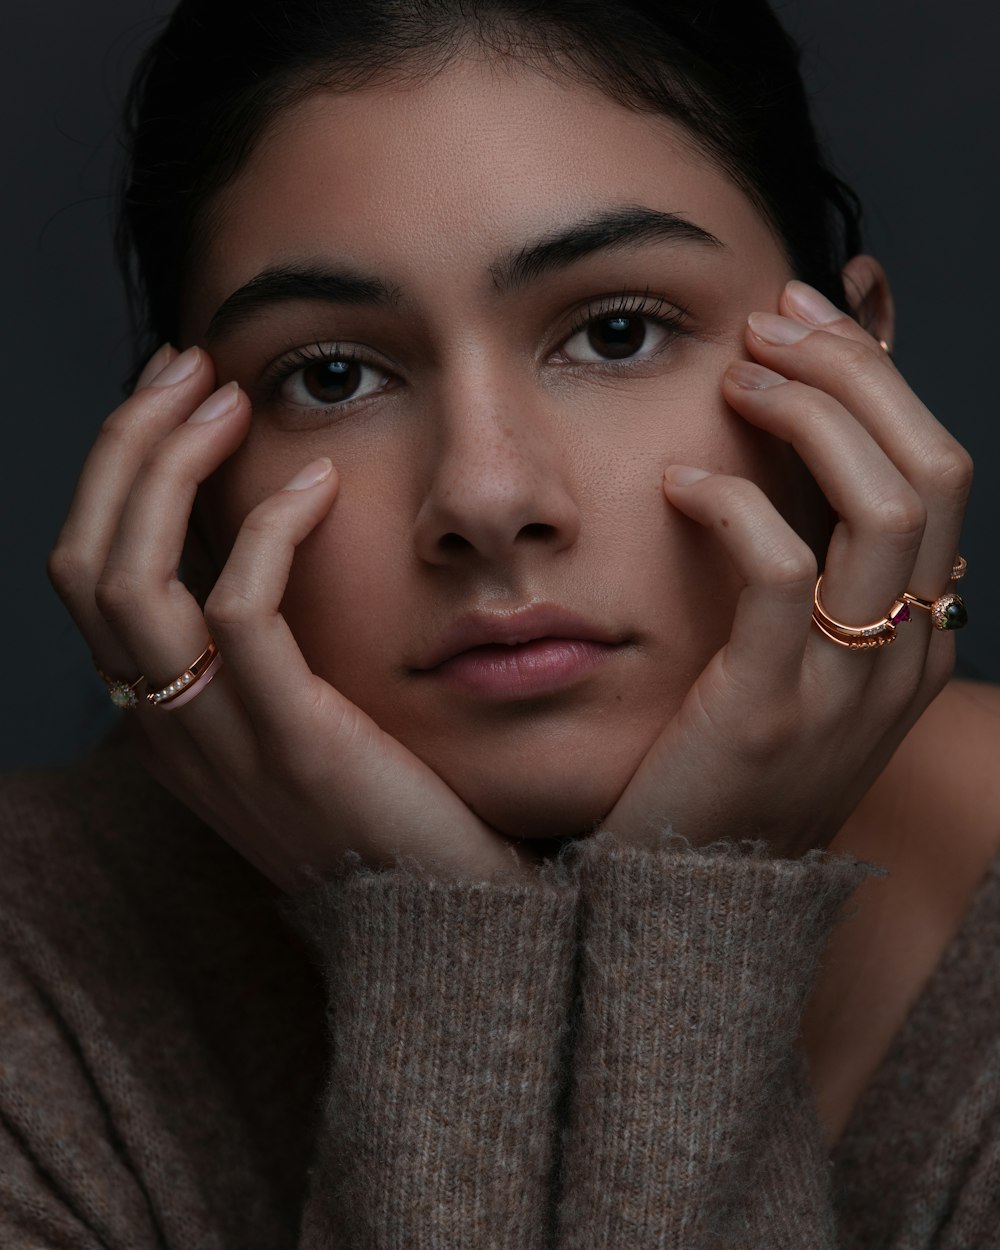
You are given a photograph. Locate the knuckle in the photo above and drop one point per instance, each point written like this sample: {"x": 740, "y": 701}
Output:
{"x": 115, "y": 593}
{"x": 793, "y": 572}
{"x": 952, "y": 471}
{"x": 736, "y": 498}
{"x": 228, "y": 607}
{"x": 901, "y": 516}
{"x": 260, "y": 522}
{"x": 163, "y": 462}
{"x": 68, "y": 572}
{"x": 766, "y": 738}
{"x": 119, "y": 426}
{"x": 853, "y": 360}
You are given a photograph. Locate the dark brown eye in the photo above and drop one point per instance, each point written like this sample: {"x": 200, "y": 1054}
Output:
{"x": 617, "y": 337}
{"x": 327, "y": 381}
{"x": 332, "y": 381}
{"x": 619, "y": 334}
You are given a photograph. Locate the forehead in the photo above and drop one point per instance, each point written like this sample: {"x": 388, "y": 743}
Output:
{"x": 428, "y": 182}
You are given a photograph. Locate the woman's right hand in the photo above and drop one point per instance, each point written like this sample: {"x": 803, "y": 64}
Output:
{"x": 272, "y": 757}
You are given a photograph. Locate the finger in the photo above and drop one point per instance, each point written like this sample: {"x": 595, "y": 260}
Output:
{"x": 840, "y": 358}
{"x": 772, "y": 622}
{"x": 243, "y": 609}
{"x": 139, "y": 594}
{"x": 156, "y": 364}
{"x": 874, "y": 545}
{"x": 81, "y": 549}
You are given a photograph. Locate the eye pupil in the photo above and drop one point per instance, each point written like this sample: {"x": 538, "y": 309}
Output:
{"x": 329, "y": 381}
{"x": 617, "y": 337}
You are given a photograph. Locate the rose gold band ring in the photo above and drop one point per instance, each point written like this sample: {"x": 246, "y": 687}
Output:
{"x": 878, "y": 633}
{"x": 189, "y": 683}
{"x": 124, "y": 694}
{"x": 948, "y": 612}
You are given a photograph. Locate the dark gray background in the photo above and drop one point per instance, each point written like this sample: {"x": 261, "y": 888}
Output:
{"x": 907, "y": 94}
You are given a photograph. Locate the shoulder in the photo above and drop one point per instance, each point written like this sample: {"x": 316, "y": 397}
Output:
{"x": 72, "y": 834}
{"x": 100, "y": 863}
{"x": 953, "y": 755}
{"x": 933, "y": 816}
{"x": 142, "y": 969}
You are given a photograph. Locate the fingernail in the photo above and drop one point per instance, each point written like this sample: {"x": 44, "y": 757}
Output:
{"x": 807, "y": 301}
{"x": 154, "y": 365}
{"x": 216, "y": 405}
{"x": 774, "y": 329}
{"x": 753, "y": 377}
{"x": 311, "y": 474}
{"x": 178, "y": 369}
{"x": 684, "y": 475}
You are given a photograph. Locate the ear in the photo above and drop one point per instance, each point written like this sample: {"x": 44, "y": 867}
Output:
{"x": 870, "y": 297}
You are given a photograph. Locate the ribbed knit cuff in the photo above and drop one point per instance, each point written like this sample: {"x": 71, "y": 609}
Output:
{"x": 448, "y": 1006}
{"x": 696, "y": 964}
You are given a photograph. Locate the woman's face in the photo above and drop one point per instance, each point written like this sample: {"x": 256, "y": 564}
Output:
{"x": 502, "y": 305}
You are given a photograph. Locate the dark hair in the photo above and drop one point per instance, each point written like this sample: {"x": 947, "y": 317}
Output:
{"x": 219, "y": 71}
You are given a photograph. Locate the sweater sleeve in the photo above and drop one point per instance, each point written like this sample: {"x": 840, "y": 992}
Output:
{"x": 690, "y": 1122}
{"x": 448, "y": 1010}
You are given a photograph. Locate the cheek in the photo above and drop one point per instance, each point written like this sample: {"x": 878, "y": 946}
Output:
{"x": 343, "y": 592}
{"x": 347, "y": 603}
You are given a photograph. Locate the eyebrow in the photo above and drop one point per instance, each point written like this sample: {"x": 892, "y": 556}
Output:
{"x": 310, "y": 281}
{"x": 628, "y": 226}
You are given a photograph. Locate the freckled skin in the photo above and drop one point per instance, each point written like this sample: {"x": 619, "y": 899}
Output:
{"x": 491, "y": 474}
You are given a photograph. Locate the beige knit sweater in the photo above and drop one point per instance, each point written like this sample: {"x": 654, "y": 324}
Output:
{"x": 602, "y": 1059}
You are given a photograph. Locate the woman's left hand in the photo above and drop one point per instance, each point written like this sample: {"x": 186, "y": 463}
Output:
{"x": 785, "y": 731}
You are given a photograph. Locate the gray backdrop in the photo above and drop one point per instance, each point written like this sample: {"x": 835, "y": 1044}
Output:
{"x": 907, "y": 94}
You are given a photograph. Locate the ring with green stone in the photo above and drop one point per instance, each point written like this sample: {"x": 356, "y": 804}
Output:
{"x": 123, "y": 694}
{"x": 947, "y": 611}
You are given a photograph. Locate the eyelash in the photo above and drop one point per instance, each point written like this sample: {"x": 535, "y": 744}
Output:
{"x": 301, "y": 358}
{"x": 670, "y": 317}
{"x": 667, "y": 316}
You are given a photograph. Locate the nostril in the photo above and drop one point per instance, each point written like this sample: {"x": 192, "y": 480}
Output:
{"x": 537, "y": 529}
{"x": 453, "y": 542}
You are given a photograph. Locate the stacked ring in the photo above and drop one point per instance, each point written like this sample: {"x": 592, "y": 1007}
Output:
{"x": 948, "y": 611}
{"x": 189, "y": 683}
{"x": 878, "y": 633}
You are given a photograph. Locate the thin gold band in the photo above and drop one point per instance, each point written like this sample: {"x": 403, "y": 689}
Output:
{"x": 182, "y": 688}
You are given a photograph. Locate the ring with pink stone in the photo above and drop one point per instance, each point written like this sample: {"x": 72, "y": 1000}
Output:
{"x": 878, "y": 633}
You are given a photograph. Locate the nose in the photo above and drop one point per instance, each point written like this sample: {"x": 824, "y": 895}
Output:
{"x": 498, "y": 484}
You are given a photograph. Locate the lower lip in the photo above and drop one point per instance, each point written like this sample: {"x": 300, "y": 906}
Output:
{"x": 543, "y": 666}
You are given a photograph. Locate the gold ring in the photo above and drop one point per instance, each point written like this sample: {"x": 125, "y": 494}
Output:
{"x": 878, "y": 633}
{"x": 189, "y": 683}
{"x": 948, "y": 612}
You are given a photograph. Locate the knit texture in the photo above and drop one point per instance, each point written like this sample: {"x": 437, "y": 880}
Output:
{"x": 603, "y": 1056}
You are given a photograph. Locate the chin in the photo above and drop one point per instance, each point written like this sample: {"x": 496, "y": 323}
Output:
{"x": 545, "y": 804}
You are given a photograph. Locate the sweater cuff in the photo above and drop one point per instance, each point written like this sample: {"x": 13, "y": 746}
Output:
{"x": 448, "y": 1007}
{"x": 695, "y": 967}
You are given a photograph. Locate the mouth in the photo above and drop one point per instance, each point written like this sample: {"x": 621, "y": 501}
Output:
{"x": 525, "y": 654}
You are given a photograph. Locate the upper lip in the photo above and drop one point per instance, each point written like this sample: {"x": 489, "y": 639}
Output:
{"x": 480, "y": 629}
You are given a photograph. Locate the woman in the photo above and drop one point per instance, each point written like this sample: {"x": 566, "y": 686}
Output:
{"x": 527, "y": 373}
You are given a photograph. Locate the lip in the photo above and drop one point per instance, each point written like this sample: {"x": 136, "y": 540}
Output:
{"x": 531, "y": 652}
